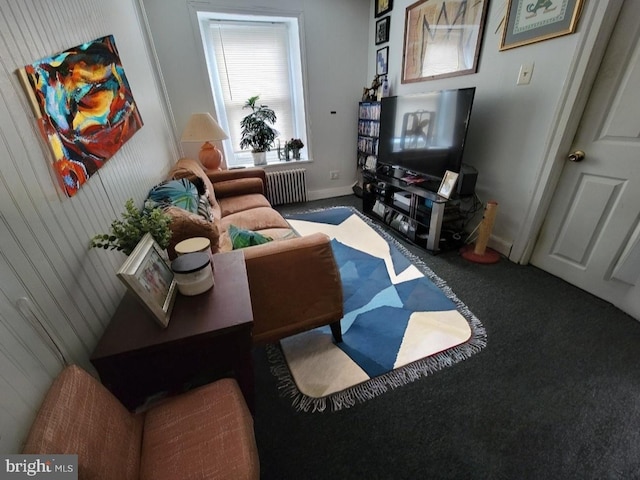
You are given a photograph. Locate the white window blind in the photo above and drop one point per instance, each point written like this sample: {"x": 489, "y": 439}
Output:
{"x": 252, "y": 58}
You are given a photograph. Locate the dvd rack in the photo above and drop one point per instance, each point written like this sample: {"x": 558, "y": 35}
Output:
{"x": 409, "y": 208}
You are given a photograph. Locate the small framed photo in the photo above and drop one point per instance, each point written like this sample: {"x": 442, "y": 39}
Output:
{"x": 382, "y": 30}
{"x": 448, "y": 184}
{"x": 383, "y": 6}
{"x": 147, "y": 275}
{"x": 382, "y": 61}
{"x": 530, "y": 22}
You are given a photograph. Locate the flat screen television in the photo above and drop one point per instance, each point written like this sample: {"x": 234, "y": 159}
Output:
{"x": 424, "y": 134}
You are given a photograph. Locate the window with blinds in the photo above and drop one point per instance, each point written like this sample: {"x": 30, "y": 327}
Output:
{"x": 248, "y": 57}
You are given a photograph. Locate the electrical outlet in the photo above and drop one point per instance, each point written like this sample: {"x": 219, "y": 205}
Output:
{"x": 334, "y": 174}
{"x": 524, "y": 76}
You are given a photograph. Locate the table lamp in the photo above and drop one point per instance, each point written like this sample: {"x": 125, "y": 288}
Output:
{"x": 203, "y": 128}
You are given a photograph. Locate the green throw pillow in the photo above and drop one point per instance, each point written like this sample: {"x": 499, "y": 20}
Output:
{"x": 241, "y": 238}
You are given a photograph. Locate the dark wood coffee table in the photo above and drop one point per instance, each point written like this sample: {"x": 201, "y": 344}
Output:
{"x": 208, "y": 337}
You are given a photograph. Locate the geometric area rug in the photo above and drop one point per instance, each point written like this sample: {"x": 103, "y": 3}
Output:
{"x": 401, "y": 321}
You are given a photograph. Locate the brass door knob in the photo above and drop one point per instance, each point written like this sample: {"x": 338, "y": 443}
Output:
{"x": 576, "y": 156}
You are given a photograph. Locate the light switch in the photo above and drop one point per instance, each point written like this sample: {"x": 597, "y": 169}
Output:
{"x": 524, "y": 77}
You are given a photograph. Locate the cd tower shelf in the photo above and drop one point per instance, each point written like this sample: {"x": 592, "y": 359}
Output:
{"x": 367, "y": 146}
{"x": 368, "y": 132}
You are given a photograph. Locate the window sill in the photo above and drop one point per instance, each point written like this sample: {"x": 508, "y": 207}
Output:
{"x": 273, "y": 165}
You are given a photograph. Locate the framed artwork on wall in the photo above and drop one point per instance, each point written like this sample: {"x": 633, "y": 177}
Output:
{"x": 382, "y": 30}
{"x": 442, "y": 38}
{"x": 529, "y": 22}
{"x": 84, "y": 107}
{"x": 150, "y": 279}
{"x": 382, "y": 61}
{"x": 383, "y": 6}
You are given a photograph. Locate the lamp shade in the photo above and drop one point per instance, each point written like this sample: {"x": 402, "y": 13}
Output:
{"x": 202, "y": 128}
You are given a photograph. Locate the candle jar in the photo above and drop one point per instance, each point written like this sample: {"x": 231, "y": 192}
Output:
{"x": 193, "y": 273}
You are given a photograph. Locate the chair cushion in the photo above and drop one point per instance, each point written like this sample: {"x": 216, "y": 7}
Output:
{"x": 80, "y": 416}
{"x": 279, "y": 233}
{"x": 232, "y": 205}
{"x": 259, "y": 218}
{"x": 206, "y": 433}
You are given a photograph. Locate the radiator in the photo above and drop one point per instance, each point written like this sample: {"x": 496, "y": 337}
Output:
{"x": 287, "y": 186}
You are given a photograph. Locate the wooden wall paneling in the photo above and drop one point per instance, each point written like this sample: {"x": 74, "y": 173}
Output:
{"x": 35, "y": 353}
{"x": 42, "y": 284}
{"x": 27, "y": 367}
{"x": 47, "y": 241}
{"x": 34, "y": 249}
{"x": 51, "y": 284}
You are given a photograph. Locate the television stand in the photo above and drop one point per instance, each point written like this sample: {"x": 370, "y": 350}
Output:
{"x": 410, "y": 208}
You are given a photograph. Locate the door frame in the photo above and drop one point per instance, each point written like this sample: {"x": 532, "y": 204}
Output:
{"x": 598, "y": 20}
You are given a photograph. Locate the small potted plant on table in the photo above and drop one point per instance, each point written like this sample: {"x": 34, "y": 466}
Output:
{"x": 256, "y": 132}
{"x": 126, "y": 233}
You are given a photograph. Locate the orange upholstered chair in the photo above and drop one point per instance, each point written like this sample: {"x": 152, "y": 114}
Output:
{"x": 206, "y": 433}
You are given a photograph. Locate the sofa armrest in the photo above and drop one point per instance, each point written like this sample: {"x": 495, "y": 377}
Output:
{"x": 295, "y": 286}
{"x": 241, "y": 181}
{"x": 239, "y": 186}
{"x": 224, "y": 175}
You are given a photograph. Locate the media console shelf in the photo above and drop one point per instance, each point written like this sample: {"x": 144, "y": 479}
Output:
{"x": 413, "y": 209}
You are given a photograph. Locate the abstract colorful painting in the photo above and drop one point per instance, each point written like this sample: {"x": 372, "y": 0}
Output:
{"x": 84, "y": 106}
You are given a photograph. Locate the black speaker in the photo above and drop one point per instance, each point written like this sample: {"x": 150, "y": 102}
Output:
{"x": 467, "y": 180}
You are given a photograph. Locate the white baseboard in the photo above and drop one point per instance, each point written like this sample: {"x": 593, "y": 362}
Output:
{"x": 329, "y": 193}
{"x": 500, "y": 245}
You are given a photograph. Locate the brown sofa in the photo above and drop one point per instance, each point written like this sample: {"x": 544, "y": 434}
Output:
{"x": 294, "y": 281}
{"x": 206, "y": 433}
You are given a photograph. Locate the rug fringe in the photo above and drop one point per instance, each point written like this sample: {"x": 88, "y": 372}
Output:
{"x": 396, "y": 378}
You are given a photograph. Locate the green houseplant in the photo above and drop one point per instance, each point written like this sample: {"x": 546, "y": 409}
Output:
{"x": 295, "y": 145}
{"x": 126, "y": 233}
{"x": 256, "y": 132}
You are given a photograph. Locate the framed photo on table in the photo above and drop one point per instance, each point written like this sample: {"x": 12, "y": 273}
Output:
{"x": 442, "y": 39}
{"x": 150, "y": 279}
{"x": 382, "y": 30}
{"x": 383, "y": 6}
{"x": 448, "y": 184}
{"x": 529, "y": 22}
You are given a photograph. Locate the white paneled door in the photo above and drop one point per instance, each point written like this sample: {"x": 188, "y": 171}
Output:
{"x": 591, "y": 236}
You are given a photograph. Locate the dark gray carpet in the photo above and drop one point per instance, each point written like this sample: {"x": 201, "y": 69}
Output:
{"x": 554, "y": 395}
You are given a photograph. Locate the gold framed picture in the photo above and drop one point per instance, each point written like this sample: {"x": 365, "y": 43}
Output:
{"x": 383, "y": 6}
{"x": 529, "y": 22}
{"x": 442, "y": 38}
{"x": 150, "y": 279}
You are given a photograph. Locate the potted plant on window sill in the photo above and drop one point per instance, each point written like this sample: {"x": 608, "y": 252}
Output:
{"x": 256, "y": 132}
{"x": 295, "y": 145}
